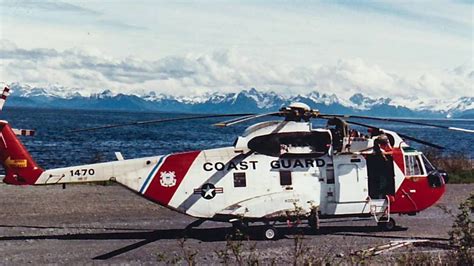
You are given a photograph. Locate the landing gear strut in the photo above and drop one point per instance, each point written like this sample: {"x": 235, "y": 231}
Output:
{"x": 239, "y": 229}
{"x": 387, "y": 225}
{"x": 313, "y": 219}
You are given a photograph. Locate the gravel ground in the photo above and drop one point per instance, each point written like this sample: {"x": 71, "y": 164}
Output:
{"x": 110, "y": 225}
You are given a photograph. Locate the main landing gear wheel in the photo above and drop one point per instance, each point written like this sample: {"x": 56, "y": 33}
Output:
{"x": 313, "y": 220}
{"x": 387, "y": 225}
{"x": 270, "y": 233}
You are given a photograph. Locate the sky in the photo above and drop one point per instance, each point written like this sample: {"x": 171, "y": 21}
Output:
{"x": 398, "y": 49}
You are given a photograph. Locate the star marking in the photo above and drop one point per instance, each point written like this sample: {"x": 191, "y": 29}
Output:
{"x": 208, "y": 191}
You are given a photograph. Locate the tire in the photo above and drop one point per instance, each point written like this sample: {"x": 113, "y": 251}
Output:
{"x": 389, "y": 225}
{"x": 313, "y": 221}
{"x": 270, "y": 233}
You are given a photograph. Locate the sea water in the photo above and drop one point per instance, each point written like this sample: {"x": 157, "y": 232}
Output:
{"x": 54, "y": 145}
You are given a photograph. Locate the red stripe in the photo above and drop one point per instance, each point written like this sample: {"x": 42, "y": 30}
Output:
{"x": 179, "y": 164}
{"x": 6, "y": 89}
{"x": 397, "y": 154}
{"x": 3, "y": 96}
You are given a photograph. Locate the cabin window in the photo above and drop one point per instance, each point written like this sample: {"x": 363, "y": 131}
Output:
{"x": 239, "y": 180}
{"x": 413, "y": 165}
{"x": 285, "y": 178}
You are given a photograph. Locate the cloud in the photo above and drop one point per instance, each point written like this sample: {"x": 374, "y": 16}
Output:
{"x": 222, "y": 71}
{"x": 439, "y": 16}
{"x": 57, "y": 12}
{"x": 48, "y": 6}
{"x": 119, "y": 25}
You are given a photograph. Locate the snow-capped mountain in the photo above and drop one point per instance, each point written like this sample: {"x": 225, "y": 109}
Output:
{"x": 361, "y": 102}
{"x": 250, "y": 100}
{"x": 463, "y": 107}
{"x": 52, "y": 91}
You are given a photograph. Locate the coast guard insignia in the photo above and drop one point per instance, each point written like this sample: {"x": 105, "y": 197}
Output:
{"x": 168, "y": 179}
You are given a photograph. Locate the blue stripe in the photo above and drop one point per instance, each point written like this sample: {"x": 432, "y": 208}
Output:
{"x": 151, "y": 174}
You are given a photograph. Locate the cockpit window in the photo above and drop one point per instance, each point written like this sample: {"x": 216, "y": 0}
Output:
{"x": 428, "y": 166}
{"x": 413, "y": 166}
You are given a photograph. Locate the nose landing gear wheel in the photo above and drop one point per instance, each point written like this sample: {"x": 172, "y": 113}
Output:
{"x": 270, "y": 233}
{"x": 387, "y": 225}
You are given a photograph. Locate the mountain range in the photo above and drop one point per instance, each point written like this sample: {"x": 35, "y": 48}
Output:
{"x": 250, "y": 100}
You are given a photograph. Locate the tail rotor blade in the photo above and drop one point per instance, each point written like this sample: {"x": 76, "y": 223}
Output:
{"x": 3, "y": 97}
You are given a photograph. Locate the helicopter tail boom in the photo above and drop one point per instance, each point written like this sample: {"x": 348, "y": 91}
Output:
{"x": 20, "y": 168}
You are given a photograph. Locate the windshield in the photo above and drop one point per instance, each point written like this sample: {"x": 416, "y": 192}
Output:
{"x": 428, "y": 166}
{"x": 413, "y": 165}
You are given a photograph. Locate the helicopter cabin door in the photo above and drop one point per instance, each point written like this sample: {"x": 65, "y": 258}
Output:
{"x": 351, "y": 179}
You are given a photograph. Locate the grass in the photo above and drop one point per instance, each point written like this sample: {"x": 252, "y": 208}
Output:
{"x": 460, "y": 167}
{"x": 462, "y": 177}
{"x": 459, "y": 250}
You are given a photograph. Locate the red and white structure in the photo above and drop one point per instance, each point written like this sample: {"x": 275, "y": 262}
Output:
{"x": 273, "y": 168}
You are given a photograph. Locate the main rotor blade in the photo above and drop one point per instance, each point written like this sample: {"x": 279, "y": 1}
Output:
{"x": 403, "y": 136}
{"x": 400, "y": 121}
{"x": 421, "y": 141}
{"x": 156, "y": 121}
{"x": 243, "y": 119}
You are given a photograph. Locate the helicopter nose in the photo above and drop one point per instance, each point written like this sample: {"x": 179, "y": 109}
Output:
{"x": 444, "y": 175}
{"x": 438, "y": 178}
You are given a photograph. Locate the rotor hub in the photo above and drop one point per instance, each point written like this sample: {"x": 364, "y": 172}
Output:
{"x": 298, "y": 111}
{"x": 299, "y": 106}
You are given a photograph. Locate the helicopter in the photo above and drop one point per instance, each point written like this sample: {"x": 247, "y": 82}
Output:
{"x": 276, "y": 171}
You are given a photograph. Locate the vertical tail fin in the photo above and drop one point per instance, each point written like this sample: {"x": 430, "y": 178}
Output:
{"x": 20, "y": 168}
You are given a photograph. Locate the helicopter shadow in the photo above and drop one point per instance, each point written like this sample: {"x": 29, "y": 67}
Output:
{"x": 215, "y": 234}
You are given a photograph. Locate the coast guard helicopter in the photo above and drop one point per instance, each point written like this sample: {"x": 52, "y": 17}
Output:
{"x": 276, "y": 171}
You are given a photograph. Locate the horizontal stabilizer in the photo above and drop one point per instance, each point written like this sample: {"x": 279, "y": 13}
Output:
{"x": 119, "y": 156}
{"x": 24, "y": 132}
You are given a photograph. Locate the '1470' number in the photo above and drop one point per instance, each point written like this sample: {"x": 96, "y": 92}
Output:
{"x": 82, "y": 172}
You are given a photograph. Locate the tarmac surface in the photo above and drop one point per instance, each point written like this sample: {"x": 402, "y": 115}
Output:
{"x": 97, "y": 224}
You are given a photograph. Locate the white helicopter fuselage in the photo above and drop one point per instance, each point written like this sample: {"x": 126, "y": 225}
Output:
{"x": 238, "y": 182}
